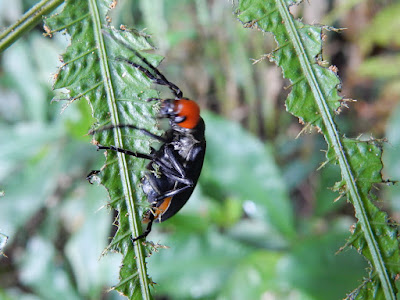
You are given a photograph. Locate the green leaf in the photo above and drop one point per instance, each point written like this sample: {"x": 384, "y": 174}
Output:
{"x": 255, "y": 276}
{"x": 391, "y": 157}
{"x": 380, "y": 30}
{"x": 92, "y": 272}
{"x": 116, "y": 93}
{"x": 262, "y": 183}
{"x": 314, "y": 260}
{"x": 54, "y": 280}
{"x": 282, "y": 274}
{"x": 314, "y": 100}
{"x": 3, "y": 237}
{"x": 197, "y": 265}
{"x": 383, "y": 67}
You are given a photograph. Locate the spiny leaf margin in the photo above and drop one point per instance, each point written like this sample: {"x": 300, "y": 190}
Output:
{"x": 314, "y": 100}
{"x": 116, "y": 93}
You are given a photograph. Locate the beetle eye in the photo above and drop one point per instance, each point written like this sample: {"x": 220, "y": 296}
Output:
{"x": 179, "y": 119}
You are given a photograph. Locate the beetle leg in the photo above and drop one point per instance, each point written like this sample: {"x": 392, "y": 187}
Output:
{"x": 154, "y": 99}
{"x": 151, "y": 214}
{"x": 127, "y": 152}
{"x": 151, "y": 157}
{"x": 136, "y": 154}
{"x": 175, "y": 163}
{"x": 142, "y": 130}
{"x": 159, "y": 79}
{"x": 153, "y": 183}
{"x": 172, "y": 174}
{"x": 90, "y": 175}
{"x": 168, "y": 171}
{"x": 147, "y": 231}
{"x": 172, "y": 193}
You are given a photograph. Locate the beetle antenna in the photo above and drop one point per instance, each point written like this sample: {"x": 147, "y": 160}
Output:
{"x": 162, "y": 80}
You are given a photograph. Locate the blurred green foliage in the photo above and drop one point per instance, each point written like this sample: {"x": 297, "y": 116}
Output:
{"x": 262, "y": 222}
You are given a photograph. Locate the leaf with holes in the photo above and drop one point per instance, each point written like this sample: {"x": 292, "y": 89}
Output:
{"x": 314, "y": 100}
{"x": 116, "y": 93}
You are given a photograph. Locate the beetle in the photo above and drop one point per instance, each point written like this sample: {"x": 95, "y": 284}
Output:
{"x": 174, "y": 169}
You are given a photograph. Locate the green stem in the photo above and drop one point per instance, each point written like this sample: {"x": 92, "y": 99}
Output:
{"x": 30, "y": 19}
{"x": 333, "y": 137}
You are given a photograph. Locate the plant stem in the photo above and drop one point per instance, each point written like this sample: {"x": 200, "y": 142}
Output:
{"x": 29, "y": 20}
